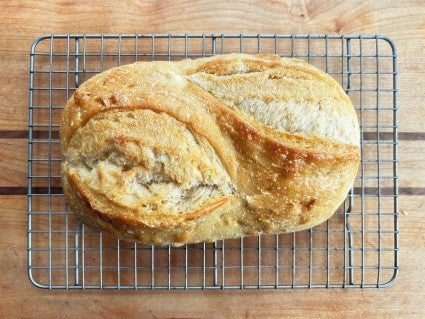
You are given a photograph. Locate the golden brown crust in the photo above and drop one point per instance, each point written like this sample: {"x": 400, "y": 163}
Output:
{"x": 206, "y": 149}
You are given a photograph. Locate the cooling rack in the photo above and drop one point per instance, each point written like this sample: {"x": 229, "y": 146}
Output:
{"x": 356, "y": 248}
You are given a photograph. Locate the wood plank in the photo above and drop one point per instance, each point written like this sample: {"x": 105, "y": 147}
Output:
{"x": 13, "y": 166}
{"x": 13, "y": 170}
{"x": 404, "y": 294}
{"x": 322, "y": 17}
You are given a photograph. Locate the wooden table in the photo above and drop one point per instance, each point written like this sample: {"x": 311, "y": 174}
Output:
{"x": 23, "y": 21}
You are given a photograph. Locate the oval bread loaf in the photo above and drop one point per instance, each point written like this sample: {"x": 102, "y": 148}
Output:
{"x": 206, "y": 149}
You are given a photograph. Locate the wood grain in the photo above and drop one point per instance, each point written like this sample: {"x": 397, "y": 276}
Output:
{"x": 23, "y": 21}
{"x": 14, "y": 152}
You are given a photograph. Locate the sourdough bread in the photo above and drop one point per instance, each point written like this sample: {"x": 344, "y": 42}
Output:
{"x": 206, "y": 149}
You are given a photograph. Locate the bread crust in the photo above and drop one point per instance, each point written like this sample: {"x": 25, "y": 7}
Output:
{"x": 207, "y": 149}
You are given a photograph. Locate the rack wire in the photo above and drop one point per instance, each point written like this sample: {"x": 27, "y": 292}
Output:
{"x": 356, "y": 248}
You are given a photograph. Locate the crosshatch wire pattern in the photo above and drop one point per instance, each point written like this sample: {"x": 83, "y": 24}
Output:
{"x": 357, "y": 247}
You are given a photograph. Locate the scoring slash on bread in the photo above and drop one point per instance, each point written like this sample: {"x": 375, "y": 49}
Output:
{"x": 206, "y": 149}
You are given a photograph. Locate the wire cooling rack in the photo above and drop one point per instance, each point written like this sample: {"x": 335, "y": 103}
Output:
{"x": 357, "y": 247}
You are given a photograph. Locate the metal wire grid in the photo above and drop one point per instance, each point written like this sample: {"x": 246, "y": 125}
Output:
{"x": 357, "y": 247}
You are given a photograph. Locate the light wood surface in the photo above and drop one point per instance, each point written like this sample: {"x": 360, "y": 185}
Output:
{"x": 22, "y": 21}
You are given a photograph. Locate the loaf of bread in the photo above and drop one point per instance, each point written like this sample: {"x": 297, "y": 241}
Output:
{"x": 206, "y": 149}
